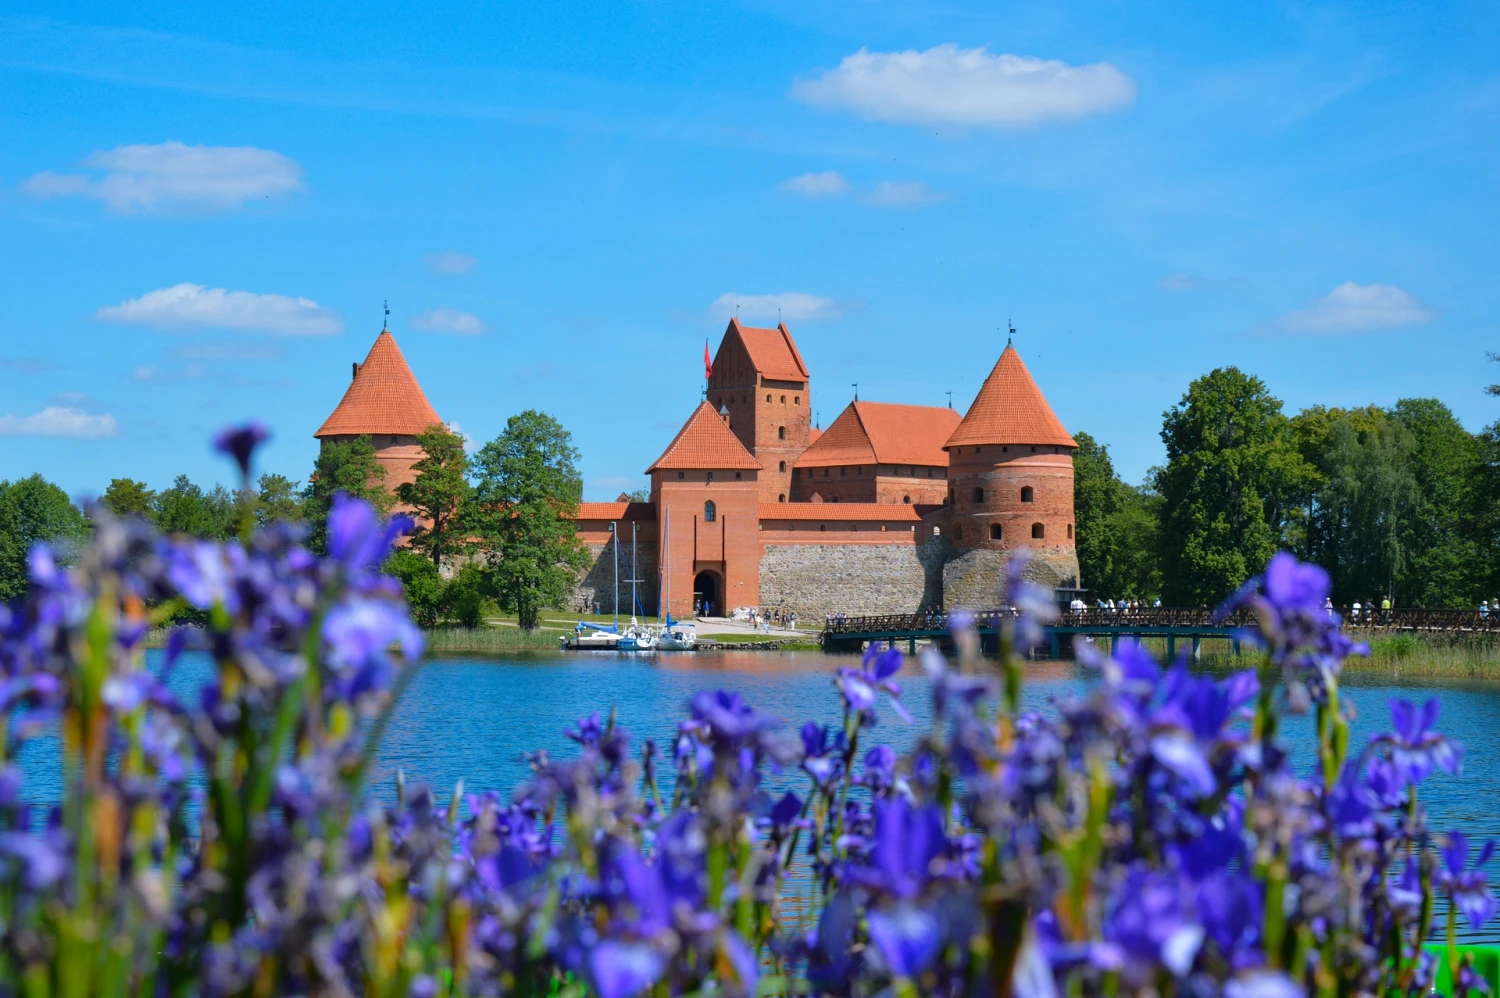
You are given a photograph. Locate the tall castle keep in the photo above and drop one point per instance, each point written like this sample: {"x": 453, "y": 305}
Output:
{"x": 894, "y": 508}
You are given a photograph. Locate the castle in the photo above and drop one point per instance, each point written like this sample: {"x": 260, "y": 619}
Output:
{"x": 894, "y": 508}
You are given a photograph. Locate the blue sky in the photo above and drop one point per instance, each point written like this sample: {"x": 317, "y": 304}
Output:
{"x": 204, "y": 206}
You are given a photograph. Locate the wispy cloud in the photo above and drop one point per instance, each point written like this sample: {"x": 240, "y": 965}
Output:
{"x": 27, "y": 365}
{"x": 193, "y": 306}
{"x": 1357, "y": 308}
{"x": 947, "y": 85}
{"x": 788, "y": 306}
{"x": 903, "y": 194}
{"x": 470, "y": 443}
{"x": 1195, "y": 282}
{"x": 448, "y": 320}
{"x": 173, "y": 176}
{"x": 828, "y": 184}
{"x": 59, "y": 421}
{"x": 155, "y": 375}
{"x": 450, "y": 262}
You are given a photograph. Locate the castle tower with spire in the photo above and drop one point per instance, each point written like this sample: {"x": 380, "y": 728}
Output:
{"x": 385, "y": 402}
{"x": 1010, "y": 488}
{"x": 758, "y": 375}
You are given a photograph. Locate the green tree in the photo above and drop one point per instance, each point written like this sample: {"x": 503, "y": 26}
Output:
{"x": 421, "y": 582}
{"x": 1232, "y": 491}
{"x": 127, "y": 497}
{"x": 184, "y": 508}
{"x": 343, "y": 466}
{"x": 31, "y": 510}
{"x": 526, "y": 494}
{"x": 1441, "y": 536}
{"x": 438, "y": 492}
{"x": 1116, "y": 527}
{"x": 278, "y": 498}
{"x": 636, "y": 495}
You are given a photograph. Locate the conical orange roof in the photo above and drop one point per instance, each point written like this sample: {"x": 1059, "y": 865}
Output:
{"x": 384, "y": 397}
{"x": 1010, "y": 409}
{"x": 704, "y": 442}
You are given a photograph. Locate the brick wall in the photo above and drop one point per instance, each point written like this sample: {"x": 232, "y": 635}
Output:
{"x": 726, "y": 547}
{"x": 871, "y": 483}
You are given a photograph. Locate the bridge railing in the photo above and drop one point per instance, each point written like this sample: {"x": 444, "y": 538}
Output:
{"x": 1128, "y": 619}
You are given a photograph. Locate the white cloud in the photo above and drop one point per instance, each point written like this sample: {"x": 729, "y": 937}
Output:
{"x": 448, "y": 320}
{"x": 470, "y": 444}
{"x": 947, "y": 85}
{"x": 788, "y": 306}
{"x": 59, "y": 421}
{"x": 903, "y": 194}
{"x": 172, "y": 175}
{"x": 1193, "y": 282}
{"x": 152, "y": 373}
{"x": 450, "y": 262}
{"x": 1358, "y": 308}
{"x": 828, "y": 184}
{"x": 193, "y": 305}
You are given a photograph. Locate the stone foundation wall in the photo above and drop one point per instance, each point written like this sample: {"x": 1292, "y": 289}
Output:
{"x": 817, "y": 579}
{"x": 975, "y": 578}
{"x": 598, "y": 581}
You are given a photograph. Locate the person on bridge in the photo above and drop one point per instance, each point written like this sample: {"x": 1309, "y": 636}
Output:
{"x": 1356, "y": 609}
{"x": 1484, "y": 609}
{"x": 1385, "y": 609}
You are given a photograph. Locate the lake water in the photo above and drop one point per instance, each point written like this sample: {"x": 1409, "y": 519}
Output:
{"x": 472, "y": 718}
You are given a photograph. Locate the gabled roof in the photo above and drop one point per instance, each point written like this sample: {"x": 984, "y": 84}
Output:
{"x": 705, "y": 442}
{"x": 1010, "y": 409}
{"x": 616, "y": 511}
{"x": 772, "y": 351}
{"x": 883, "y": 433}
{"x": 384, "y": 397}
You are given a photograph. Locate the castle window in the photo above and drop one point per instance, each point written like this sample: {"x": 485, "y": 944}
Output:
{"x": 782, "y": 498}
{"x": 710, "y": 476}
{"x": 978, "y": 496}
{"x": 835, "y": 499}
{"x": 1005, "y": 450}
{"x": 843, "y": 472}
{"x": 681, "y": 475}
{"x": 822, "y": 526}
{"x": 783, "y": 466}
{"x": 1033, "y": 450}
{"x": 739, "y": 475}
{"x": 783, "y": 400}
{"x": 937, "y": 531}
{"x": 906, "y": 499}
{"x": 780, "y": 431}
{"x": 1038, "y": 531}
{"x": 859, "y": 471}
{"x": 994, "y": 531}
{"x": 1026, "y": 493}
{"x": 710, "y": 512}
{"x": 853, "y": 526}
{"x": 825, "y": 472}
{"x": 796, "y": 400}
{"x": 768, "y": 398}
{"x": 1070, "y": 531}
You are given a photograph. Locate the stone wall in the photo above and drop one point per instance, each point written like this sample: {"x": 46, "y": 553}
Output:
{"x": 818, "y": 579}
{"x": 598, "y": 581}
{"x": 974, "y": 578}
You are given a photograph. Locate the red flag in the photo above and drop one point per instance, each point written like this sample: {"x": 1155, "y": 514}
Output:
{"x": 708, "y": 364}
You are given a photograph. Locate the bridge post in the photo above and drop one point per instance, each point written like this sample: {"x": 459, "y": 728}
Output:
{"x": 1197, "y": 647}
{"x": 1171, "y": 647}
{"x": 911, "y": 644}
{"x": 1234, "y": 646}
{"x": 1056, "y": 646}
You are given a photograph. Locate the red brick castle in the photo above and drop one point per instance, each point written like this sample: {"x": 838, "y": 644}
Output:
{"x": 893, "y": 508}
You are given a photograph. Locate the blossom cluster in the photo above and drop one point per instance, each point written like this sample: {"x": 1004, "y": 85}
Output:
{"x": 1149, "y": 836}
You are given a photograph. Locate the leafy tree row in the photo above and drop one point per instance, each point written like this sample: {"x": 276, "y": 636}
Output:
{"x": 1400, "y": 502}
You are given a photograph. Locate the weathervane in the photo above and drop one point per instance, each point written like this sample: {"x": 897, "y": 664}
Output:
{"x": 856, "y": 391}
{"x": 385, "y": 325}
{"x": 1011, "y": 326}
{"x": 950, "y": 399}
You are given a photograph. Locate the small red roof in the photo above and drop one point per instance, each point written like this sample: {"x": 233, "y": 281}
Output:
{"x": 883, "y": 433}
{"x": 772, "y": 351}
{"x": 384, "y": 397}
{"x": 841, "y": 512}
{"x": 1010, "y": 409}
{"x": 615, "y": 511}
{"x": 704, "y": 442}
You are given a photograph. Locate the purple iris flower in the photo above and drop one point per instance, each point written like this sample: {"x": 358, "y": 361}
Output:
{"x": 586, "y": 731}
{"x": 906, "y": 937}
{"x": 728, "y": 716}
{"x": 1263, "y": 984}
{"x": 1153, "y": 923}
{"x": 357, "y": 633}
{"x": 1035, "y": 605}
{"x": 880, "y": 768}
{"x": 907, "y": 840}
{"x": 239, "y": 442}
{"x": 822, "y": 752}
{"x": 860, "y": 687}
{"x": 624, "y": 970}
{"x": 357, "y": 539}
{"x": 1467, "y": 888}
{"x": 1289, "y": 601}
{"x": 1416, "y": 750}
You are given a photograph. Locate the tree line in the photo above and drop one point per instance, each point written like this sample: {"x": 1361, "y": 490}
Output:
{"x": 1399, "y": 502}
{"x": 494, "y": 532}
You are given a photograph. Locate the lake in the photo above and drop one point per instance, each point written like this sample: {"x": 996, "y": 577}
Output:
{"x": 473, "y": 718}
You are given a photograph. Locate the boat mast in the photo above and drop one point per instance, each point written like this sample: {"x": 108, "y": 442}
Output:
{"x": 614, "y": 542}
{"x": 635, "y": 600}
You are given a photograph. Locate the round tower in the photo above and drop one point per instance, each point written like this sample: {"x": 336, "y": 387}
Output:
{"x": 1010, "y": 488}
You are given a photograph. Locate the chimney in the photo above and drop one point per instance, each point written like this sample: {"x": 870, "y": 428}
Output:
{"x": 355, "y": 373}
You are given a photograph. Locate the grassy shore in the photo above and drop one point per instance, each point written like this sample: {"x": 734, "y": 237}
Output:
{"x": 1397, "y": 654}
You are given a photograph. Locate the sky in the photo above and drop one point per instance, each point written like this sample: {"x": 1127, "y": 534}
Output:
{"x": 205, "y": 206}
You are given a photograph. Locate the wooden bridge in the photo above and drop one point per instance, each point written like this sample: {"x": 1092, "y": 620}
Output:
{"x": 850, "y": 634}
